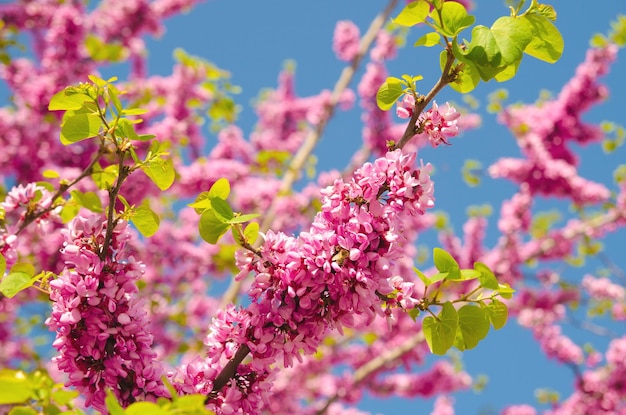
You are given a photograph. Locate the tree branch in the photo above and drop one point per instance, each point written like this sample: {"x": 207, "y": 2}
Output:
{"x": 374, "y": 365}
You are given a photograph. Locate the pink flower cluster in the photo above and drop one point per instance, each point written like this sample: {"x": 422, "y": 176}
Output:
{"x": 333, "y": 276}
{"x": 99, "y": 322}
{"x": 346, "y": 40}
{"x": 544, "y": 133}
{"x": 439, "y": 123}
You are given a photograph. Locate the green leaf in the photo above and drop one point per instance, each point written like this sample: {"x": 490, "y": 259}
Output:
{"x": 444, "y": 262}
{"x": 413, "y": 13}
{"x": 508, "y": 72}
{"x": 67, "y": 100}
{"x": 112, "y": 404}
{"x": 24, "y": 267}
{"x": 505, "y": 291}
{"x": 243, "y": 218}
{"x": 222, "y": 210}
{"x": 145, "y": 220}
{"x": 546, "y": 43}
{"x": 145, "y": 408}
{"x": 428, "y": 40}
{"x": 389, "y": 92}
{"x": 133, "y": 111}
{"x": 79, "y": 127}
{"x": 454, "y": 19}
{"x": 126, "y": 129}
{"x": 422, "y": 277}
{"x": 88, "y": 200}
{"x": 210, "y": 227}
{"x": 3, "y": 265}
{"x": 104, "y": 178}
{"x": 487, "y": 279}
{"x": 161, "y": 172}
{"x": 468, "y": 78}
{"x": 473, "y": 325}
{"x": 440, "y": 332}
{"x": 201, "y": 203}
{"x": 469, "y": 274}
{"x": 103, "y": 51}
{"x": 220, "y": 189}
{"x": 251, "y": 232}
{"x": 69, "y": 211}
{"x": 15, "y": 387}
{"x": 14, "y": 282}
{"x": 438, "y": 277}
{"x": 498, "y": 314}
{"x": 25, "y": 410}
{"x": 50, "y": 174}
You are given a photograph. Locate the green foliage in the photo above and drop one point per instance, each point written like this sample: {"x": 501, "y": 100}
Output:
{"x": 440, "y": 331}
{"x": 466, "y": 326}
{"x": 470, "y": 171}
{"x": 145, "y": 220}
{"x": 35, "y": 393}
{"x": 20, "y": 276}
{"x": 101, "y": 51}
{"x": 491, "y": 53}
{"x": 389, "y": 92}
{"x": 217, "y": 217}
{"x": 178, "y": 405}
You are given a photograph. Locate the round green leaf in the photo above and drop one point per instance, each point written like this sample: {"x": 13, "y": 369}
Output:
{"x": 161, "y": 172}
{"x": 211, "y": 228}
{"x": 454, "y": 19}
{"x": 79, "y": 127}
{"x": 15, "y": 387}
{"x": 473, "y": 325}
{"x": 498, "y": 314}
{"x": 444, "y": 262}
{"x": 67, "y": 100}
{"x": 413, "y": 13}
{"x": 222, "y": 210}
{"x": 487, "y": 278}
{"x": 251, "y": 232}
{"x": 243, "y": 218}
{"x": 220, "y": 189}
{"x": 440, "y": 332}
{"x": 428, "y": 40}
{"x": 389, "y": 92}
{"x": 547, "y": 43}
{"x": 14, "y": 282}
{"x": 145, "y": 220}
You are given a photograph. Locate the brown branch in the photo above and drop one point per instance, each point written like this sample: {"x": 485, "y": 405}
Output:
{"x": 30, "y": 218}
{"x": 374, "y": 365}
{"x": 123, "y": 173}
{"x": 447, "y": 75}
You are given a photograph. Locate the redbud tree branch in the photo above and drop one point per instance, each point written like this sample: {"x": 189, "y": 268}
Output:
{"x": 296, "y": 165}
{"x": 64, "y": 187}
{"x": 374, "y": 365}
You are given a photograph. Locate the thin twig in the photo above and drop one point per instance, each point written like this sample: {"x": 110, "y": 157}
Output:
{"x": 379, "y": 362}
{"x": 28, "y": 219}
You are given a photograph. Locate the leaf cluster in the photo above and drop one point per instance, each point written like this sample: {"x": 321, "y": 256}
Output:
{"x": 217, "y": 216}
{"x": 493, "y": 52}
{"x": 466, "y": 326}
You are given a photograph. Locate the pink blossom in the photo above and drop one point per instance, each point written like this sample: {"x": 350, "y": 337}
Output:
{"x": 406, "y": 107}
{"x": 440, "y": 124}
{"x": 346, "y": 40}
{"x": 100, "y": 324}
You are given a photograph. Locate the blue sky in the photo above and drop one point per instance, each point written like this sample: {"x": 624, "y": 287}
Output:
{"x": 254, "y": 39}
